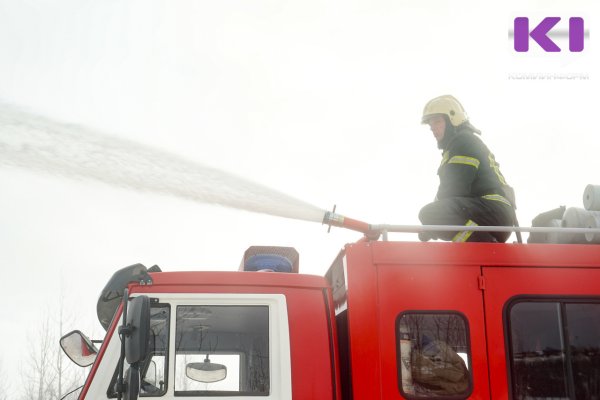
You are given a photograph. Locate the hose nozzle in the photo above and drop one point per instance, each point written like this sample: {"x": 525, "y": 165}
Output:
{"x": 332, "y": 219}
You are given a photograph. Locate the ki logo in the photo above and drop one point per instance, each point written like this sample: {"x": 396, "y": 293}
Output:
{"x": 540, "y": 34}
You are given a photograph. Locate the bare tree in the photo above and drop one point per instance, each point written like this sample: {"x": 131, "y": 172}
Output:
{"x": 37, "y": 374}
{"x": 47, "y": 373}
{"x": 67, "y": 375}
{"x": 3, "y": 384}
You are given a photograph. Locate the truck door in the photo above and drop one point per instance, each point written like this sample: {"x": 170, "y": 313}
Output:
{"x": 226, "y": 346}
{"x": 427, "y": 309}
{"x": 543, "y": 332}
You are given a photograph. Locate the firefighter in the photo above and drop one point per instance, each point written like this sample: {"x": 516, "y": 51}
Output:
{"x": 472, "y": 189}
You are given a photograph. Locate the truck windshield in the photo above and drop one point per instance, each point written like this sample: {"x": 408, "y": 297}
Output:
{"x": 222, "y": 350}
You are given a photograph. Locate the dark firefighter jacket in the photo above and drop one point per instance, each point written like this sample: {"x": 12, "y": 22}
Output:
{"x": 468, "y": 168}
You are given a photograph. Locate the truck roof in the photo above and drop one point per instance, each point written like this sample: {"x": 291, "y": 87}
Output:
{"x": 237, "y": 278}
{"x": 485, "y": 254}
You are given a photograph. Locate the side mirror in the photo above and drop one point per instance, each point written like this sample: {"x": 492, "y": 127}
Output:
{"x": 206, "y": 372}
{"x": 138, "y": 323}
{"x": 134, "y": 332}
{"x": 132, "y": 377}
{"x": 79, "y": 348}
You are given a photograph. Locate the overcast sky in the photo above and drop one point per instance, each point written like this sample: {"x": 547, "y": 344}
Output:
{"x": 318, "y": 100}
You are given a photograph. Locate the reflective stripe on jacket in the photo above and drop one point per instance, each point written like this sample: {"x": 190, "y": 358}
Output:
{"x": 469, "y": 169}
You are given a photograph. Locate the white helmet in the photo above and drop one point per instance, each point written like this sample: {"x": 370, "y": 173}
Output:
{"x": 446, "y": 105}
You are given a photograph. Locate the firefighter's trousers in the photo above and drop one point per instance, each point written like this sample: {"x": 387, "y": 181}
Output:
{"x": 468, "y": 211}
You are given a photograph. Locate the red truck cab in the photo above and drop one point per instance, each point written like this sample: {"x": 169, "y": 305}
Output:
{"x": 226, "y": 335}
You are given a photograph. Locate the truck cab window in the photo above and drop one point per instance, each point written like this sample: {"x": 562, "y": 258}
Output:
{"x": 222, "y": 350}
{"x": 433, "y": 355}
{"x": 153, "y": 369}
{"x": 554, "y": 349}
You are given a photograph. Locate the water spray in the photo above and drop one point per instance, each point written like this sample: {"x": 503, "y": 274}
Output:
{"x": 44, "y": 145}
{"x": 41, "y": 144}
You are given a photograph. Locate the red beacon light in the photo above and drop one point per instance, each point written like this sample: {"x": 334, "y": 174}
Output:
{"x": 270, "y": 259}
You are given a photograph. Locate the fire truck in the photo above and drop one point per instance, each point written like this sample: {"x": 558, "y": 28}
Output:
{"x": 389, "y": 320}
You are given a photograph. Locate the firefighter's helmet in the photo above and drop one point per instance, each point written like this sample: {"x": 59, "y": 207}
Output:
{"x": 447, "y": 105}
